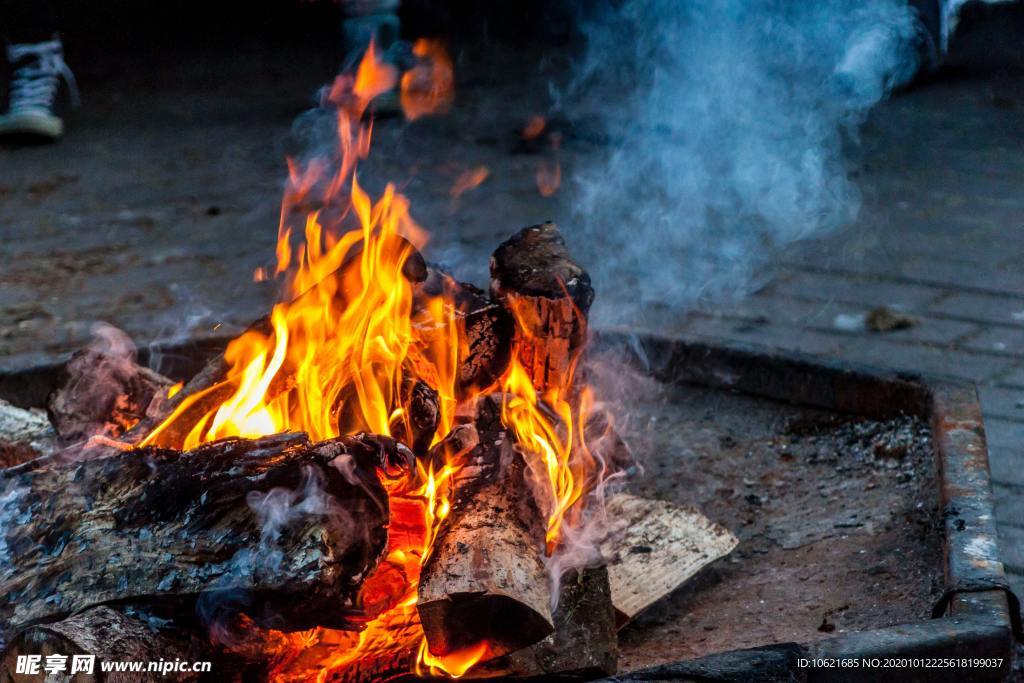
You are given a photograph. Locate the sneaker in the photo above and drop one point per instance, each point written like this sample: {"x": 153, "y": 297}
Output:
{"x": 37, "y": 70}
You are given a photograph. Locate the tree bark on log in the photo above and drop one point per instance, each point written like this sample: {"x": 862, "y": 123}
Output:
{"x": 485, "y": 578}
{"x": 290, "y": 526}
{"x": 110, "y": 635}
{"x": 549, "y": 296}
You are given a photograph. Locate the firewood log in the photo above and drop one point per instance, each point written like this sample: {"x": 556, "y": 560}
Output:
{"x": 416, "y": 428}
{"x": 549, "y": 296}
{"x": 110, "y": 635}
{"x": 485, "y": 578}
{"x": 584, "y": 644}
{"x": 291, "y": 527}
{"x": 487, "y": 327}
{"x": 102, "y": 393}
{"x": 489, "y": 331}
{"x": 25, "y": 434}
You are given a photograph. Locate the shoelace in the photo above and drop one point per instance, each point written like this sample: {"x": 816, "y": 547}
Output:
{"x": 34, "y": 83}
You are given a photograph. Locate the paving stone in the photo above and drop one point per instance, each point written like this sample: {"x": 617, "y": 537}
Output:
{"x": 1002, "y": 402}
{"x": 1006, "y": 450}
{"x": 1008, "y": 340}
{"x": 1003, "y": 310}
{"x": 788, "y": 311}
{"x": 766, "y": 335}
{"x": 1009, "y": 504}
{"x": 1011, "y": 548}
{"x": 934, "y": 331}
{"x": 863, "y": 291}
{"x": 966, "y": 275}
{"x": 881, "y": 352}
{"x": 1013, "y": 378}
{"x": 960, "y": 267}
{"x": 845, "y": 318}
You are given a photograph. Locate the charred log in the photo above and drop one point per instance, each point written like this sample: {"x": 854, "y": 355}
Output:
{"x": 485, "y": 578}
{"x": 489, "y": 331}
{"x": 487, "y": 327}
{"x": 109, "y": 634}
{"x": 549, "y": 296}
{"x": 291, "y": 527}
{"x": 103, "y": 394}
{"x": 202, "y": 393}
{"x": 423, "y": 413}
{"x": 584, "y": 645}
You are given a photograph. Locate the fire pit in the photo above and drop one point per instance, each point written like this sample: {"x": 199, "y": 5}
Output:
{"x": 872, "y": 489}
{"x": 897, "y": 562}
{"x": 397, "y": 474}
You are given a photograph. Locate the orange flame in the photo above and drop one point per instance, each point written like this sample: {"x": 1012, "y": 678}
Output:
{"x": 429, "y": 87}
{"x": 549, "y": 177}
{"x": 333, "y": 358}
{"x": 453, "y": 665}
{"x": 373, "y": 77}
{"x": 534, "y": 127}
{"x": 174, "y": 389}
{"x": 553, "y": 441}
{"x": 468, "y": 180}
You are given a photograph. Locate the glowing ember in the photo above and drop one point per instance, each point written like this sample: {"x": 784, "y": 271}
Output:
{"x": 549, "y": 178}
{"x": 429, "y": 87}
{"x": 468, "y": 180}
{"x": 534, "y": 127}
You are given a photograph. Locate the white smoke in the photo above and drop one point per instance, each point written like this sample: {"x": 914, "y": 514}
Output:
{"x": 726, "y": 123}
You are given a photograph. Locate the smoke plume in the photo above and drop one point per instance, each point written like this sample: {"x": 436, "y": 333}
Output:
{"x": 726, "y": 123}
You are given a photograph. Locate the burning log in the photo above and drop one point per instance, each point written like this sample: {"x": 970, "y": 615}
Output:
{"x": 485, "y": 579}
{"x": 109, "y": 634}
{"x": 584, "y": 644}
{"x": 489, "y": 334}
{"x": 103, "y": 392}
{"x": 424, "y": 414}
{"x": 549, "y": 295}
{"x": 291, "y": 526}
{"x": 488, "y": 328}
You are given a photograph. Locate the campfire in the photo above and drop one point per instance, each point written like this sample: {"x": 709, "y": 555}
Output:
{"x": 393, "y": 473}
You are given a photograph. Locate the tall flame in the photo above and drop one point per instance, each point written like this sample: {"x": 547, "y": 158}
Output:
{"x": 333, "y": 358}
{"x": 553, "y": 439}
